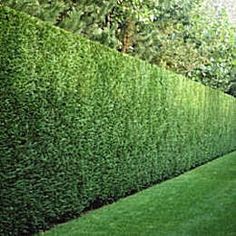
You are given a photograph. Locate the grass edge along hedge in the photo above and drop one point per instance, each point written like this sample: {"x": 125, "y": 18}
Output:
{"x": 81, "y": 123}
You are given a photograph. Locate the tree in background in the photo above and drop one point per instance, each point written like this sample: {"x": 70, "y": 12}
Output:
{"x": 184, "y": 36}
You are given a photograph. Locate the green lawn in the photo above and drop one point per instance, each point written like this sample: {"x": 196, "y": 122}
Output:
{"x": 200, "y": 202}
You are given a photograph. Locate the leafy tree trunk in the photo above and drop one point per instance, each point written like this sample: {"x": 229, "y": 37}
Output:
{"x": 128, "y": 34}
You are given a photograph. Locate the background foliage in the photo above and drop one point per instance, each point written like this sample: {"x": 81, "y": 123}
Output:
{"x": 185, "y": 36}
{"x": 82, "y": 124}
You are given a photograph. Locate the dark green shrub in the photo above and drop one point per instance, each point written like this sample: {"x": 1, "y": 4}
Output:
{"x": 82, "y": 123}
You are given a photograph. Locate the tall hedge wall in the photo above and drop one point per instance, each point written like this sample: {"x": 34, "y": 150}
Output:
{"x": 81, "y": 123}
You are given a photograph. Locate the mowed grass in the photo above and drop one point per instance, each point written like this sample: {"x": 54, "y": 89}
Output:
{"x": 199, "y": 202}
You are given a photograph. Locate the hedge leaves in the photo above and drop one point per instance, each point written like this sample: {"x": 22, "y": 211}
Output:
{"x": 83, "y": 124}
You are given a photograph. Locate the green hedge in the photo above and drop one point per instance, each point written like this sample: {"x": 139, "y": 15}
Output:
{"x": 82, "y": 124}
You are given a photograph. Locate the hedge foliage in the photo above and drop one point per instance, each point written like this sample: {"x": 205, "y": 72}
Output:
{"x": 81, "y": 123}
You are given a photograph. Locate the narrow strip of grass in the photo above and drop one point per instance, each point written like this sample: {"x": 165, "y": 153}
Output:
{"x": 200, "y": 202}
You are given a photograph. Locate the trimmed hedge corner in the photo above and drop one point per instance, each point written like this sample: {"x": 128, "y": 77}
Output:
{"x": 81, "y": 123}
